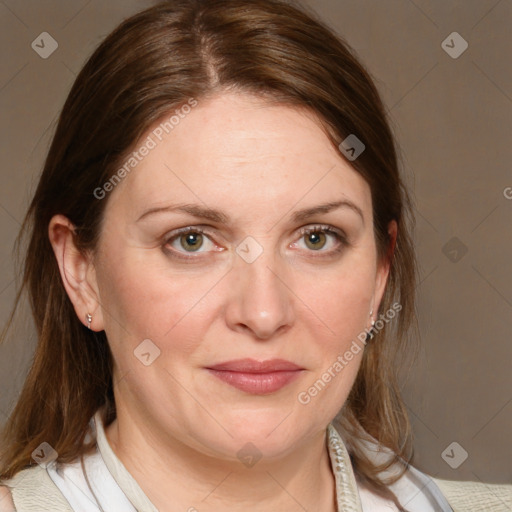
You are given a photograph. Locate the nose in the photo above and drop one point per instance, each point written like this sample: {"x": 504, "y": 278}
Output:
{"x": 261, "y": 301}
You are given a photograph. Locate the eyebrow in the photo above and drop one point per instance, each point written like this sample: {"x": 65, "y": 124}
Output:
{"x": 202, "y": 212}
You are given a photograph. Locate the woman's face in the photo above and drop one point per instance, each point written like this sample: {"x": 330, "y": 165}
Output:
{"x": 244, "y": 285}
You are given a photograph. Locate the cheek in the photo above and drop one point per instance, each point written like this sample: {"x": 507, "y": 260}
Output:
{"x": 342, "y": 301}
{"x": 142, "y": 300}
{"x": 342, "y": 304}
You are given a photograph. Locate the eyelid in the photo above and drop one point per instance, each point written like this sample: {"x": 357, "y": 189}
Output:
{"x": 180, "y": 231}
{"x": 341, "y": 238}
{"x": 327, "y": 228}
{"x": 171, "y": 236}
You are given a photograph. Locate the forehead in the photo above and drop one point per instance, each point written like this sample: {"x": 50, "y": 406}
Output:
{"x": 238, "y": 150}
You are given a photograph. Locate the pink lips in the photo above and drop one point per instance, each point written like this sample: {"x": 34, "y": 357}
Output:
{"x": 256, "y": 377}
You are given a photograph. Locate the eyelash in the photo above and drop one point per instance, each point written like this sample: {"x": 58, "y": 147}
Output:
{"x": 320, "y": 228}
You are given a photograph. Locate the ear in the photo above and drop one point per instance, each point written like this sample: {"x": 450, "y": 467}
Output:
{"x": 384, "y": 267}
{"x": 77, "y": 271}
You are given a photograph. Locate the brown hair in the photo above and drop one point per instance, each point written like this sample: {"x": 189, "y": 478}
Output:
{"x": 152, "y": 64}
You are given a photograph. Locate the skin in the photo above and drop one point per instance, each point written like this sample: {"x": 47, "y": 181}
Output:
{"x": 179, "y": 428}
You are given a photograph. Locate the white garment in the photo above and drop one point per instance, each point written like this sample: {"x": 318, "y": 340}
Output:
{"x": 70, "y": 480}
{"x": 117, "y": 491}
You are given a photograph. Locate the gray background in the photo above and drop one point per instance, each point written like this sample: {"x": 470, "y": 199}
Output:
{"x": 453, "y": 120}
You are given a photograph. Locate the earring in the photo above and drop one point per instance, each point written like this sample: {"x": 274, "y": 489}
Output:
{"x": 370, "y": 334}
{"x": 88, "y": 318}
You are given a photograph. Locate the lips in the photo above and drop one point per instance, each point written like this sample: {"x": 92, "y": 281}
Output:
{"x": 256, "y": 377}
{"x": 253, "y": 366}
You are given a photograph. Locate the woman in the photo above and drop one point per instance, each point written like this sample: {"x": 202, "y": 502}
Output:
{"x": 221, "y": 274}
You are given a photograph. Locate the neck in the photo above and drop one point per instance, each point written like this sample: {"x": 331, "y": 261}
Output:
{"x": 177, "y": 477}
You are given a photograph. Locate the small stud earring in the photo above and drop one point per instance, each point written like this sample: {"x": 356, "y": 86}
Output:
{"x": 88, "y": 318}
{"x": 371, "y": 333}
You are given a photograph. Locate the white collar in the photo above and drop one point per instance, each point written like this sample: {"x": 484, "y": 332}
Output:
{"x": 346, "y": 486}
{"x": 347, "y": 493}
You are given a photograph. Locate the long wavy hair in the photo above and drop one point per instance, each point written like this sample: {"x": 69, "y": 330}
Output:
{"x": 151, "y": 65}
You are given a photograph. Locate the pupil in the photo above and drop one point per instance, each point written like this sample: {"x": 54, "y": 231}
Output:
{"x": 191, "y": 240}
{"x": 314, "y": 238}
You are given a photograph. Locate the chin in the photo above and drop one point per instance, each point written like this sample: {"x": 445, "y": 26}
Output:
{"x": 262, "y": 447}
{"x": 273, "y": 432}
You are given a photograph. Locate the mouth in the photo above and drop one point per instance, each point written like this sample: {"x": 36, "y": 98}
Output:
{"x": 256, "y": 377}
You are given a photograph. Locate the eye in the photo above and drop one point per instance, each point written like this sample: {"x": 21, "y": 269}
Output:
{"x": 189, "y": 240}
{"x": 193, "y": 239}
{"x": 323, "y": 239}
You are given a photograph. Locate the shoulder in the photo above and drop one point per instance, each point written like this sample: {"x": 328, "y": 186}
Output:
{"x": 476, "y": 496}
{"x": 6, "y": 503}
{"x": 32, "y": 489}
{"x": 459, "y": 496}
